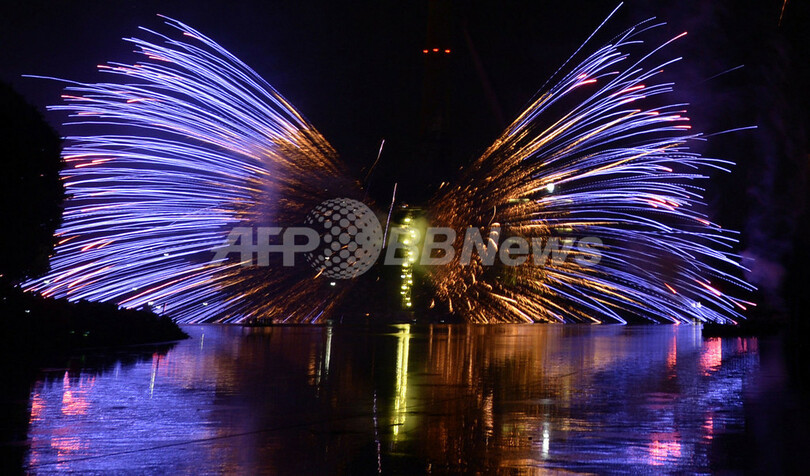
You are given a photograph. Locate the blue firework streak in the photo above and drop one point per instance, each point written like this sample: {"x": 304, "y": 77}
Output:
{"x": 195, "y": 143}
{"x": 208, "y": 146}
{"x": 615, "y": 166}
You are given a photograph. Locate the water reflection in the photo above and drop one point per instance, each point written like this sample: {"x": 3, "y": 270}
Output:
{"x": 401, "y": 385}
{"x": 402, "y": 399}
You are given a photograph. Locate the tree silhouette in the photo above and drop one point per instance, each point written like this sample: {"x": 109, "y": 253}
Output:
{"x": 30, "y": 188}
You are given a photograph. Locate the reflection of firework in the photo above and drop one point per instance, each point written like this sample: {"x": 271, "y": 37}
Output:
{"x": 213, "y": 147}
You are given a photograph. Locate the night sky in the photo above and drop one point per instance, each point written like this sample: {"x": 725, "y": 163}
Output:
{"x": 357, "y": 72}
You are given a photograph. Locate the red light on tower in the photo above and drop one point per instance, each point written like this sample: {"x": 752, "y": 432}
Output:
{"x": 435, "y": 50}
{"x": 425, "y": 51}
{"x": 447, "y": 51}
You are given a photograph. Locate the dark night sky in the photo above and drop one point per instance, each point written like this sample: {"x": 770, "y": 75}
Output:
{"x": 357, "y": 72}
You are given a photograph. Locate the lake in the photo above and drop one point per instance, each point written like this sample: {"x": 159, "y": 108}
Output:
{"x": 415, "y": 399}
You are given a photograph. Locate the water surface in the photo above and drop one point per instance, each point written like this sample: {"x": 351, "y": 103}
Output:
{"x": 512, "y": 399}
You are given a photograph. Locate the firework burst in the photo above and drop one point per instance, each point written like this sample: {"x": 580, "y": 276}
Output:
{"x": 194, "y": 143}
{"x": 615, "y": 167}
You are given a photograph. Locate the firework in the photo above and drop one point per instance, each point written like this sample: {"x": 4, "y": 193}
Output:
{"x": 615, "y": 167}
{"x": 194, "y": 143}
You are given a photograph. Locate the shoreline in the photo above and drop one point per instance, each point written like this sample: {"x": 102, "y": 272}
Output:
{"x": 35, "y": 325}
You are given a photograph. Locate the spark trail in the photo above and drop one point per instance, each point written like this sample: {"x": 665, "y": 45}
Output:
{"x": 189, "y": 142}
{"x": 615, "y": 166}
